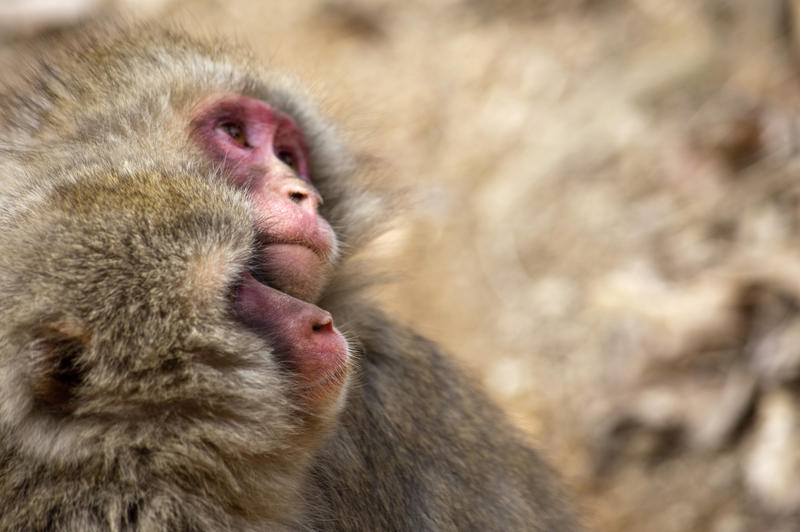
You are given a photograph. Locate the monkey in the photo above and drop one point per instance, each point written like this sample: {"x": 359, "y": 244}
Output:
{"x": 182, "y": 393}
{"x": 416, "y": 444}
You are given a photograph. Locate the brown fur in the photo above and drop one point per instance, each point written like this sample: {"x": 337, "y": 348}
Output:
{"x": 419, "y": 446}
{"x": 130, "y": 398}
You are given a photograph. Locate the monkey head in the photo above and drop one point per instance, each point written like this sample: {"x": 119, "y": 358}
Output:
{"x": 195, "y": 104}
{"x": 135, "y": 334}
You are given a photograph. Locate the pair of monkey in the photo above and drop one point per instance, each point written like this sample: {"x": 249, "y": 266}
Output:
{"x": 167, "y": 245}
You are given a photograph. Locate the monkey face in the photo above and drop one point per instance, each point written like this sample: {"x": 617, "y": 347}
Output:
{"x": 263, "y": 152}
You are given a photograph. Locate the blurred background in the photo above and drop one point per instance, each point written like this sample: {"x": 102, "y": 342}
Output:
{"x": 602, "y": 222}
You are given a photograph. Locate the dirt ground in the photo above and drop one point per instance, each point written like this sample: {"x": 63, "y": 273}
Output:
{"x": 602, "y": 224}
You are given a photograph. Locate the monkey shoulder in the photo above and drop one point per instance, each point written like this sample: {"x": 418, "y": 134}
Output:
{"x": 422, "y": 447}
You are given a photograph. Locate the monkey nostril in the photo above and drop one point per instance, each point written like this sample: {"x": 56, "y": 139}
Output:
{"x": 324, "y": 324}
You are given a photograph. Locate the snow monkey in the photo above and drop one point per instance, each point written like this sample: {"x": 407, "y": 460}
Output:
{"x": 174, "y": 219}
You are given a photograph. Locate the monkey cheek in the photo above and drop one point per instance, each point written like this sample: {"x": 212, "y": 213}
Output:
{"x": 296, "y": 270}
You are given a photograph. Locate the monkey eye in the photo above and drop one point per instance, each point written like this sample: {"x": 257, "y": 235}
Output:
{"x": 288, "y": 158}
{"x": 235, "y": 132}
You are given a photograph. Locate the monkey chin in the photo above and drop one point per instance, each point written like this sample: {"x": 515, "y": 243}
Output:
{"x": 327, "y": 392}
{"x": 295, "y": 269}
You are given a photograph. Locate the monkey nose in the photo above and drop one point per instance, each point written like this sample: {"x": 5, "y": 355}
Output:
{"x": 302, "y": 194}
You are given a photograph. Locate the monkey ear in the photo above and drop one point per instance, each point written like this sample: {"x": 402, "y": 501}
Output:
{"x": 57, "y": 366}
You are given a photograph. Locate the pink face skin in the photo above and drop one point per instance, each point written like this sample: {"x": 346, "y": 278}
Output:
{"x": 264, "y": 153}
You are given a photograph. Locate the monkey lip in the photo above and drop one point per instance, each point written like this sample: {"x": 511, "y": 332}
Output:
{"x": 302, "y": 335}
